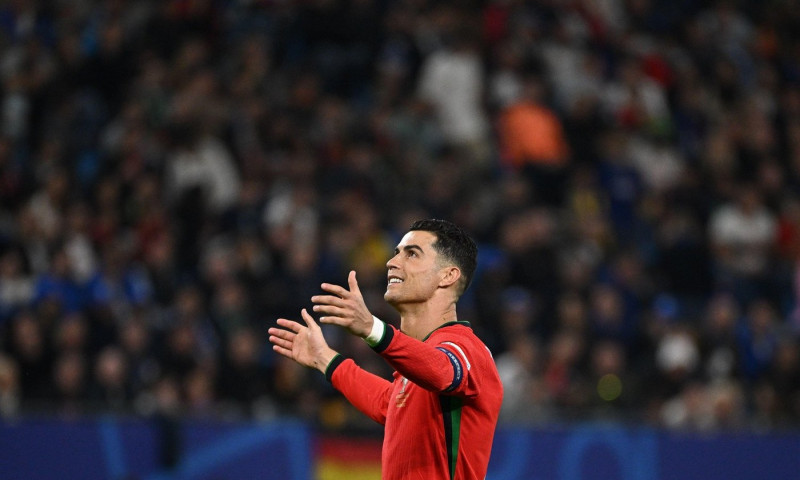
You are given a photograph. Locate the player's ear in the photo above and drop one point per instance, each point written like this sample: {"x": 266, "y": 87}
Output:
{"x": 449, "y": 276}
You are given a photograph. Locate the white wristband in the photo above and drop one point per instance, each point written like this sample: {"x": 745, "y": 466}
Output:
{"x": 378, "y": 328}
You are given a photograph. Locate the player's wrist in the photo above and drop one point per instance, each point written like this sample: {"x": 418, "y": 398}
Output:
{"x": 381, "y": 335}
{"x": 332, "y": 365}
{"x": 376, "y": 333}
{"x": 325, "y": 360}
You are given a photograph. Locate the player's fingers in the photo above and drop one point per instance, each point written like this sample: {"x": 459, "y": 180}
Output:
{"x": 281, "y": 333}
{"x": 337, "y": 290}
{"x": 308, "y": 319}
{"x": 327, "y": 300}
{"x": 289, "y": 324}
{"x": 283, "y": 351}
{"x": 281, "y": 342}
{"x": 334, "y": 320}
{"x": 330, "y": 310}
{"x": 351, "y": 280}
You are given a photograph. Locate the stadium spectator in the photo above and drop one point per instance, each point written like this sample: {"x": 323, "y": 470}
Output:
{"x": 743, "y": 235}
{"x": 533, "y": 142}
{"x": 9, "y": 388}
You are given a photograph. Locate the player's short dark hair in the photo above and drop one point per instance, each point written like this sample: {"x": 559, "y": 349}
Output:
{"x": 454, "y": 244}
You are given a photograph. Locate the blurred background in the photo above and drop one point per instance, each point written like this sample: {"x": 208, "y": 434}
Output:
{"x": 175, "y": 175}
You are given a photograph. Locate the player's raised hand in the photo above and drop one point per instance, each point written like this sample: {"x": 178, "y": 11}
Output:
{"x": 345, "y": 308}
{"x": 304, "y": 344}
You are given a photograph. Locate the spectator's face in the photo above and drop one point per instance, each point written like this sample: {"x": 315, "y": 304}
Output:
{"x": 608, "y": 357}
{"x": 607, "y": 304}
{"x": 27, "y": 337}
{"x": 69, "y": 374}
{"x": 60, "y": 264}
{"x": 722, "y": 314}
{"x": 10, "y": 265}
{"x": 134, "y": 337}
{"x": 414, "y": 269}
{"x": 243, "y": 348}
{"x": 111, "y": 368}
{"x": 57, "y": 187}
{"x": 72, "y": 333}
{"x": 9, "y": 376}
{"x": 786, "y": 357}
{"x": 749, "y": 200}
{"x": 571, "y": 312}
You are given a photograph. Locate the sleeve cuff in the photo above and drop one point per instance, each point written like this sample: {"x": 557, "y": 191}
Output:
{"x": 381, "y": 335}
{"x": 378, "y": 329}
{"x": 337, "y": 360}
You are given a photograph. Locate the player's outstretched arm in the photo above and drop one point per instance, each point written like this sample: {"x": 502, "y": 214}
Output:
{"x": 304, "y": 344}
{"x": 345, "y": 308}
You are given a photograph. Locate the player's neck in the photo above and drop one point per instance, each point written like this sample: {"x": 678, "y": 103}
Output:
{"x": 419, "y": 320}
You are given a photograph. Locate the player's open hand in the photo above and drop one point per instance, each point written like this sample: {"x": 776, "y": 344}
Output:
{"x": 345, "y": 308}
{"x": 303, "y": 344}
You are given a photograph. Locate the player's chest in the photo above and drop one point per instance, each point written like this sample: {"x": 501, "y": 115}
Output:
{"x": 408, "y": 398}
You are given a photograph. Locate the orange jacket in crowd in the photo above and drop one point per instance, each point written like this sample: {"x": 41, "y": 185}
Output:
{"x": 531, "y": 133}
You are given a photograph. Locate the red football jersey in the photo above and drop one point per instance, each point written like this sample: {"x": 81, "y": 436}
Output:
{"x": 441, "y": 409}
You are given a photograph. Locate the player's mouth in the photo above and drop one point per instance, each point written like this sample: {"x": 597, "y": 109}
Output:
{"x": 395, "y": 280}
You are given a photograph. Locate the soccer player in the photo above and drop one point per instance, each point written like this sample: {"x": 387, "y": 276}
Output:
{"x": 439, "y": 412}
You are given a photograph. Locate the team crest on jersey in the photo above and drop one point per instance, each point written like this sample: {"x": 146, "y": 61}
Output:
{"x": 402, "y": 397}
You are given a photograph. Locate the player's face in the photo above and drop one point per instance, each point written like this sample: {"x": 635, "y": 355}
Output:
{"x": 414, "y": 273}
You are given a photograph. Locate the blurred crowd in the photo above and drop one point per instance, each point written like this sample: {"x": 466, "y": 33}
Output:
{"x": 177, "y": 174}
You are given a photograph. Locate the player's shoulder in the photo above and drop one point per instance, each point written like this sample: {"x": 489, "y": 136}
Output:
{"x": 450, "y": 329}
{"x": 459, "y": 333}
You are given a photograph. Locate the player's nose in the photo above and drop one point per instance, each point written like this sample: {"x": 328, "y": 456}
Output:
{"x": 392, "y": 262}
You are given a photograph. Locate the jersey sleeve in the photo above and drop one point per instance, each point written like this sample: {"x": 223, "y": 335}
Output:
{"x": 440, "y": 365}
{"x": 367, "y": 392}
